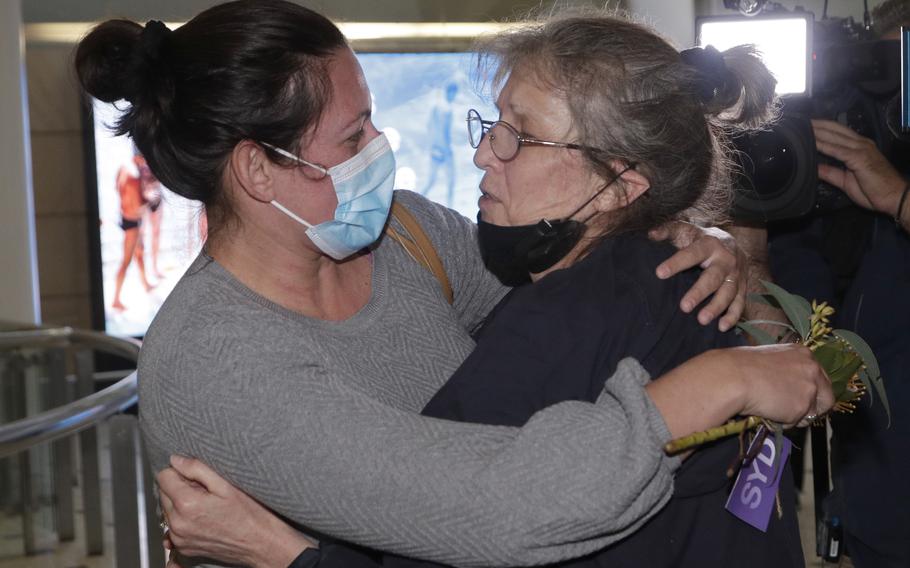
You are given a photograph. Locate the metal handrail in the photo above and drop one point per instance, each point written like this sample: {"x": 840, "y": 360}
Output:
{"x": 64, "y": 420}
{"x": 125, "y": 347}
{"x": 88, "y": 411}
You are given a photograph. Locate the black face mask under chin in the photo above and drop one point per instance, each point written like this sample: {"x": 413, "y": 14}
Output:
{"x": 512, "y": 254}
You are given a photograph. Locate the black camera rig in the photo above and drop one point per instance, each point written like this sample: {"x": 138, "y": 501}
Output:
{"x": 853, "y": 78}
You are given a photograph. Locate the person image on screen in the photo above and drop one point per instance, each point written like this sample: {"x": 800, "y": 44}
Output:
{"x": 296, "y": 352}
{"x": 439, "y": 128}
{"x": 153, "y": 213}
{"x": 134, "y": 189}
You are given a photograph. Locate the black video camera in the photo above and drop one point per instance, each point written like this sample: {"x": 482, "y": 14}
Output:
{"x": 833, "y": 69}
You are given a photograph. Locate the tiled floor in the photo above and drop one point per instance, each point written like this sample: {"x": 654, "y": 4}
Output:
{"x": 72, "y": 555}
{"x": 68, "y": 554}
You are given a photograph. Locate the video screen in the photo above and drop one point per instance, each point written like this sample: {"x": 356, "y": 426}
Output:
{"x": 149, "y": 235}
{"x": 783, "y": 43}
{"x": 421, "y": 101}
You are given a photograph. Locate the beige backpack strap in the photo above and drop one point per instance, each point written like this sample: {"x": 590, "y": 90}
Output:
{"x": 418, "y": 245}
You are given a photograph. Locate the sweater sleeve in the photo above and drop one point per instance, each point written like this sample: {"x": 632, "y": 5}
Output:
{"x": 575, "y": 478}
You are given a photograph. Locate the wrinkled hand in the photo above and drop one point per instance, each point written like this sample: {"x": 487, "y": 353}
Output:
{"x": 723, "y": 274}
{"x": 211, "y": 518}
{"x": 782, "y": 382}
{"x": 869, "y": 179}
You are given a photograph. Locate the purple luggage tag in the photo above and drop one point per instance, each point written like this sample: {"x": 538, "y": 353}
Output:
{"x": 754, "y": 492}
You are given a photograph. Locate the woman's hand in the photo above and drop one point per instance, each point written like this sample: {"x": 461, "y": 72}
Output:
{"x": 724, "y": 273}
{"x": 782, "y": 382}
{"x": 209, "y": 517}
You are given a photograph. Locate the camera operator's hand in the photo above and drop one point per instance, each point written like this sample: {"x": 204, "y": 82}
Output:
{"x": 869, "y": 179}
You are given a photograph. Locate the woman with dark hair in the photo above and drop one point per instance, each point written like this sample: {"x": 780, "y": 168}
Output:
{"x": 294, "y": 354}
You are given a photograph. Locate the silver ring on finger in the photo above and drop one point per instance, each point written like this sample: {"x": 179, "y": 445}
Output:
{"x": 729, "y": 281}
{"x": 165, "y": 528}
{"x": 810, "y": 418}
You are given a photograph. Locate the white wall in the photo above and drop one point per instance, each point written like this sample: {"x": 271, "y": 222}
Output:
{"x": 674, "y": 19}
{"x": 18, "y": 270}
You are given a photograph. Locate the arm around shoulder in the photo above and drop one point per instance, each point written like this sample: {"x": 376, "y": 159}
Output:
{"x": 328, "y": 456}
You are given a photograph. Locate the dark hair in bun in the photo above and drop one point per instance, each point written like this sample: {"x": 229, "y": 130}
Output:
{"x": 249, "y": 69}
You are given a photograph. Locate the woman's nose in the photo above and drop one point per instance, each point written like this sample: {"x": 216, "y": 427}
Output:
{"x": 483, "y": 155}
{"x": 369, "y": 133}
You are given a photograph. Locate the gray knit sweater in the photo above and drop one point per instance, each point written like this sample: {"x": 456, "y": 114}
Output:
{"x": 319, "y": 420}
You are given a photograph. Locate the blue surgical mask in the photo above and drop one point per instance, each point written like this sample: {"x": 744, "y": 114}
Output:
{"x": 364, "y": 185}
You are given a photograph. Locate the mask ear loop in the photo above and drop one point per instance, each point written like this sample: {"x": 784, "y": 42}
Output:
{"x": 291, "y": 214}
{"x": 545, "y": 225}
{"x": 601, "y": 190}
{"x": 297, "y": 159}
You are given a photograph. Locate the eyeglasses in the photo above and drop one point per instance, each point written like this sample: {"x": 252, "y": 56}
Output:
{"x": 505, "y": 140}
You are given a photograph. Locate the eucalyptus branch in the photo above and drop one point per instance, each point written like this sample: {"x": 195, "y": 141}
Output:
{"x": 846, "y": 358}
{"x": 679, "y": 445}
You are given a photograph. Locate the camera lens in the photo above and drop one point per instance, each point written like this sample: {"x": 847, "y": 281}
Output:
{"x": 777, "y": 176}
{"x": 769, "y": 162}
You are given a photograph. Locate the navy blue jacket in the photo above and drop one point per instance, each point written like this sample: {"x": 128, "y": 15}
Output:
{"x": 561, "y": 339}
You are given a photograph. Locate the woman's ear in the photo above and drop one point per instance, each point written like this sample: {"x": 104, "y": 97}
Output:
{"x": 634, "y": 183}
{"x": 252, "y": 171}
{"x": 630, "y": 186}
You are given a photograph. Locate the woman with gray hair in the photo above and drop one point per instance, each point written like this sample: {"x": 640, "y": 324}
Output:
{"x": 642, "y": 133}
{"x": 605, "y": 132}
